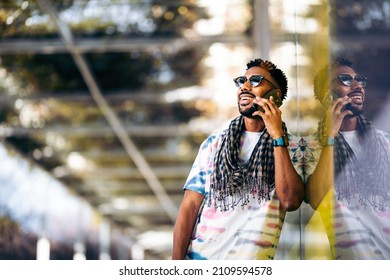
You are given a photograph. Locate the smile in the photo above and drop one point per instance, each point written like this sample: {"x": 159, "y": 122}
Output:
{"x": 246, "y": 98}
{"x": 356, "y": 97}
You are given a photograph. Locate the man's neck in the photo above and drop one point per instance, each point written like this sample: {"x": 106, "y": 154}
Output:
{"x": 349, "y": 124}
{"x": 253, "y": 124}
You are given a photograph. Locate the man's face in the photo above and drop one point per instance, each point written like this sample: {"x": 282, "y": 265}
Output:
{"x": 355, "y": 91}
{"x": 246, "y": 93}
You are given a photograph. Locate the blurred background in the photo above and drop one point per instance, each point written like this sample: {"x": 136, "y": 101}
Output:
{"x": 104, "y": 103}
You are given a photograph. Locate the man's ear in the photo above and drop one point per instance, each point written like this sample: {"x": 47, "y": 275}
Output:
{"x": 328, "y": 97}
{"x": 279, "y": 92}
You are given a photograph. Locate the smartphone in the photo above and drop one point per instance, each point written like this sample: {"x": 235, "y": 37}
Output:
{"x": 347, "y": 107}
{"x": 278, "y": 102}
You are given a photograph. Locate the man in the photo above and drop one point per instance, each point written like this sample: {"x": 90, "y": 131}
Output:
{"x": 351, "y": 182}
{"x": 242, "y": 181}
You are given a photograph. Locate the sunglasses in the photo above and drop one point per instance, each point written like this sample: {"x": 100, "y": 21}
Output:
{"x": 346, "y": 79}
{"x": 254, "y": 81}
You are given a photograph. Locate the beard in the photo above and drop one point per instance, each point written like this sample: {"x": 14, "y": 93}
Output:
{"x": 248, "y": 112}
{"x": 356, "y": 111}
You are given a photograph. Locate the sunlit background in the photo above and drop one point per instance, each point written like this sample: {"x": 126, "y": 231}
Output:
{"x": 104, "y": 103}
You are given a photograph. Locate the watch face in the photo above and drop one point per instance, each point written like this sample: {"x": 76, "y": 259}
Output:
{"x": 327, "y": 141}
{"x": 281, "y": 141}
{"x": 285, "y": 141}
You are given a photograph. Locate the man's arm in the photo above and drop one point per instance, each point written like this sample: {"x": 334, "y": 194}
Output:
{"x": 185, "y": 222}
{"x": 288, "y": 184}
{"x": 322, "y": 179}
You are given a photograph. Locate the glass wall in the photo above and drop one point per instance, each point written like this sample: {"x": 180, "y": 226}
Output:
{"x": 350, "y": 226}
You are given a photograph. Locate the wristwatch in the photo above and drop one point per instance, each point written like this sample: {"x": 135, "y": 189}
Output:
{"x": 327, "y": 141}
{"x": 281, "y": 141}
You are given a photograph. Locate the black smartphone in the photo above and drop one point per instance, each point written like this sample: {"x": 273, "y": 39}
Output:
{"x": 347, "y": 107}
{"x": 278, "y": 102}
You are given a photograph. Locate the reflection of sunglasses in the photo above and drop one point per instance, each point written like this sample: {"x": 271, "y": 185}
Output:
{"x": 254, "y": 81}
{"x": 346, "y": 79}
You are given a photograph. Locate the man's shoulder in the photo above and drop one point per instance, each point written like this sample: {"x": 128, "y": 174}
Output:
{"x": 383, "y": 133}
{"x": 385, "y": 136}
{"x": 213, "y": 138}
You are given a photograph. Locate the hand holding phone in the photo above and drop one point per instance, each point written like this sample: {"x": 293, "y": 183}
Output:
{"x": 330, "y": 96}
{"x": 276, "y": 99}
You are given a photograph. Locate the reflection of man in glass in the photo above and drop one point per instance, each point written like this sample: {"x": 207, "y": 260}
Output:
{"x": 350, "y": 185}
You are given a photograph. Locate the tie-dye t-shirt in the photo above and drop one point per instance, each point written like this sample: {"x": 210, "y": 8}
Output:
{"x": 249, "y": 232}
{"x": 356, "y": 231}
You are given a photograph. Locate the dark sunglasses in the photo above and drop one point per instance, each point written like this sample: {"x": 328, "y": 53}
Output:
{"x": 346, "y": 79}
{"x": 254, "y": 81}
